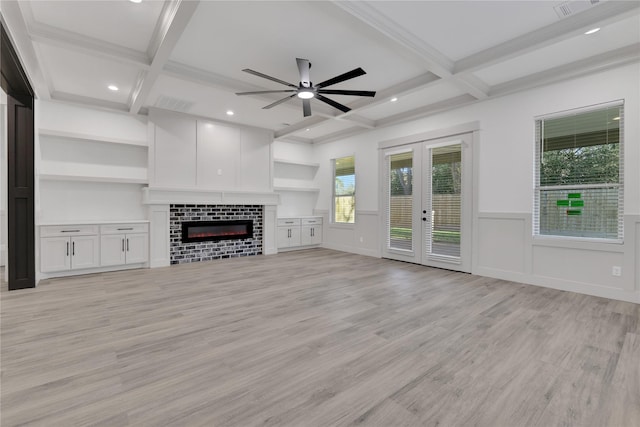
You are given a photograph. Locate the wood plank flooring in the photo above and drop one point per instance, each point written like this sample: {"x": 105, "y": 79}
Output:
{"x": 314, "y": 338}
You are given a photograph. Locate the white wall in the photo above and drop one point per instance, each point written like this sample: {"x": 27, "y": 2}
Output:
{"x": 504, "y": 247}
{"x": 192, "y": 153}
{"x": 3, "y": 181}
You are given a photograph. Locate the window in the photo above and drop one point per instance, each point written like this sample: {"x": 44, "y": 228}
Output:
{"x": 344, "y": 190}
{"x": 579, "y": 173}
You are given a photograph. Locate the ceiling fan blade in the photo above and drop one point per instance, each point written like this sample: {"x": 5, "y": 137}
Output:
{"x": 264, "y": 91}
{"x": 278, "y": 102}
{"x": 306, "y": 107}
{"x": 264, "y": 76}
{"x": 348, "y": 92}
{"x": 342, "y": 77}
{"x": 333, "y": 103}
{"x": 303, "y": 68}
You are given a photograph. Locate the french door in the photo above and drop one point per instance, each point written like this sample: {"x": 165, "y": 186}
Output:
{"x": 427, "y": 202}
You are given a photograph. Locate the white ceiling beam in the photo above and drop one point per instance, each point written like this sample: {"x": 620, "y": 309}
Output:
{"x": 88, "y": 101}
{"x": 436, "y": 107}
{"x": 434, "y": 60}
{"x": 615, "y": 58}
{"x": 303, "y": 124}
{"x": 175, "y": 19}
{"x": 359, "y": 121}
{"x": 600, "y": 15}
{"x": 49, "y": 35}
{"x": 15, "y": 22}
{"x": 335, "y": 136}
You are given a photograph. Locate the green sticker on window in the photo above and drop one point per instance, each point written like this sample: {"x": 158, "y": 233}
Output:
{"x": 572, "y": 212}
{"x": 577, "y": 203}
{"x": 574, "y": 196}
{"x": 562, "y": 203}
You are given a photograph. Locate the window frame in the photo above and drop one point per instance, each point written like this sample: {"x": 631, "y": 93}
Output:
{"x": 538, "y": 189}
{"x": 333, "y": 192}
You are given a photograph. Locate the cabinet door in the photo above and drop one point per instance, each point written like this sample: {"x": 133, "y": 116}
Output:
{"x": 283, "y": 237}
{"x": 84, "y": 252}
{"x": 137, "y": 248}
{"x": 306, "y": 238}
{"x": 112, "y": 249}
{"x": 311, "y": 235}
{"x": 295, "y": 238}
{"x": 55, "y": 254}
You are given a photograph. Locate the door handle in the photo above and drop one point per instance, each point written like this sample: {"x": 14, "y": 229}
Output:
{"x": 67, "y": 248}
{"x": 127, "y": 244}
{"x": 123, "y": 245}
{"x": 73, "y": 248}
{"x": 424, "y": 219}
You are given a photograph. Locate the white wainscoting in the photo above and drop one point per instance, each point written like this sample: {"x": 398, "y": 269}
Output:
{"x": 505, "y": 249}
{"x": 362, "y": 238}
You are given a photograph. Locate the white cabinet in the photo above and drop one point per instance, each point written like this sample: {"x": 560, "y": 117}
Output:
{"x": 299, "y": 232}
{"x": 124, "y": 244}
{"x": 68, "y": 248}
{"x": 311, "y": 231}
{"x": 288, "y": 232}
{"x": 89, "y": 246}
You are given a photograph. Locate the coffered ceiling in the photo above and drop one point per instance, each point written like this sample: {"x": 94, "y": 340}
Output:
{"x": 188, "y": 56}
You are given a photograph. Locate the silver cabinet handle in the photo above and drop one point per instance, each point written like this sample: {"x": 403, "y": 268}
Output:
{"x": 73, "y": 248}
{"x": 123, "y": 245}
{"x": 70, "y": 231}
{"x": 67, "y": 248}
{"x": 125, "y": 228}
{"x": 127, "y": 244}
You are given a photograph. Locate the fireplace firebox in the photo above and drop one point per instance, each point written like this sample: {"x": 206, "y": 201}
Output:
{"x": 202, "y": 231}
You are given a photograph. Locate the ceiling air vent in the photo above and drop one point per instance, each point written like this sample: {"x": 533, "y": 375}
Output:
{"x": 173, "y": 104}
{"x": 572, "y": 7}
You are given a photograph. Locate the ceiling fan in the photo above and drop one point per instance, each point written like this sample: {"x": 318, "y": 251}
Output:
{"x": 306, "y": 90}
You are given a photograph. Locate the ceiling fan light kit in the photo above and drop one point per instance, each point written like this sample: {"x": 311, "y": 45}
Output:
{"x": 305, "y": 90}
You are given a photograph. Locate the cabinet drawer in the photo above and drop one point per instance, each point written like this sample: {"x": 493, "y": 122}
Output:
{"x": 284, "y": 222}
{"x": 124, "y": 228}
{"x": 311, "y": 221}
{"x": 68, "y": 230}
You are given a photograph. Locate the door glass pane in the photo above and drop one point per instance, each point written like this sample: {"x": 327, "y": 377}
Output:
{"x": 443, "y": 237}
{"x": 400, "y": 201}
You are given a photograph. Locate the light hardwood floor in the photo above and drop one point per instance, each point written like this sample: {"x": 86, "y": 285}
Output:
{"x": 315, "y": 338}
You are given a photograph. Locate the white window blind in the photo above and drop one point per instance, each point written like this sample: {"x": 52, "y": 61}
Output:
{"x": 579, "y": 174}
{"x": 400, "y": 201}
{"x": 344, "y": 190}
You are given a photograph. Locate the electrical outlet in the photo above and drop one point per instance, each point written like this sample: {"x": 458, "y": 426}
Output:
{"x": 616, "y": 270}
{"x": 361, "y": 239}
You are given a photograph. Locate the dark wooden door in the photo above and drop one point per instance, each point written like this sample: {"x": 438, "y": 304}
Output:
{"x": 21, "y": 228}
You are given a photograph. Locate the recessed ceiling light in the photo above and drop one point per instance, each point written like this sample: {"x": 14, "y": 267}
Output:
{"x": 307, "y": 130}
{"x": 113, "y": 87}
{"x": 593, "y": 30}
{"x": 135, "y": 1}
{"x": 230, "y": 113}
{"x": 616, "y": 118}
{"x": 394, "y": 99}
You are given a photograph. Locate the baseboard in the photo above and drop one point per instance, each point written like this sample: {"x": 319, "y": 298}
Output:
{"x": 68, "y": 273}
{"x": 561, "y": 285}
{"x": 359, "y": 251}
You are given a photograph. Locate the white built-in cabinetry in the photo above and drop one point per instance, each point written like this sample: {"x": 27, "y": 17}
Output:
{"x": 296, "y": 233}
{"x": 88, "y": 247}
{"x": 124, "y": 244}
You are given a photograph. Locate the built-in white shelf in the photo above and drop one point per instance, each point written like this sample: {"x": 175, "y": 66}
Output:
{"x": 295, "y": 163}
{"x": 60, "y": 171}
{"x": 89, "y": 137}
{"x": 301, "y": 189}
{"x": 86, "y": 178}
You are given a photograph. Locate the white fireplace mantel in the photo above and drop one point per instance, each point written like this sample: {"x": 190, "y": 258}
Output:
{"x": 159, "y": 199}
{"x": 163, "y": 195}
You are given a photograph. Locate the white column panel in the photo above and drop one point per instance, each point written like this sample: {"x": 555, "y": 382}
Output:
{"x": 218, "y": 156}
{"x": 175, "y": 150}
{"x": 270, "y": 221}
{"x": 255, "y": 160}
{"x": 159, "y": 236}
